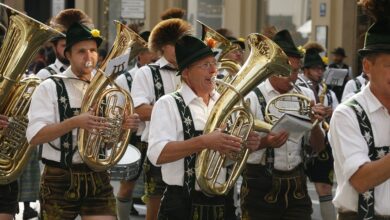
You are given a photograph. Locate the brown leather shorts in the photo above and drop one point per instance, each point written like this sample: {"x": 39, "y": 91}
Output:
{"x": 64, "y": 194}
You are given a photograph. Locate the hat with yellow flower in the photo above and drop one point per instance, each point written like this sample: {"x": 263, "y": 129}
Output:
{"x": 79, "y": 32}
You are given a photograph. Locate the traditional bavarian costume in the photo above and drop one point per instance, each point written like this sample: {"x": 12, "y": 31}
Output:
{"x": 274, "y": 182}
{"x": 68, "y": 186}
{"x": 150, "y": 83}
{"x": 359, "y": 134}
{"x": 185, "y": 115}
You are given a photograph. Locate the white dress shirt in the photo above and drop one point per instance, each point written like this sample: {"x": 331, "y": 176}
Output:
{"x": 56, "y": 66}
{"x": 335, "y": 101}
{"x": 169, "y": 128}
{"x": 142, "y": 90}
{"x": 351, "y": 88}
{"x": 122, "y": 82}
{"x": 44, "y": 111}
{"x": 350, "y": 150}
{"x": 288, "y": 156}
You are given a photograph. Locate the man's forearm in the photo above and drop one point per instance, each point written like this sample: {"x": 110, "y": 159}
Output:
{"x": 317, "y": 139}
{"x": 177, "y": 150}
{"x": 144, "y": 111}
{"x": 52, "y": 132}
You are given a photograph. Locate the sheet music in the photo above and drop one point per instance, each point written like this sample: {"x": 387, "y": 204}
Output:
{"x": 295, "y": 125}
{"x": 334, "y": 76}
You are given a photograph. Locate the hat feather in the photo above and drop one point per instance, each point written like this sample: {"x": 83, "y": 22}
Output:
{"x": 378, "y": 9}
{"x": 63, "y": 20}
{"x": 168, "y": 32}
{"x": 314, "y": 46}
{"x": 173, "y": 13}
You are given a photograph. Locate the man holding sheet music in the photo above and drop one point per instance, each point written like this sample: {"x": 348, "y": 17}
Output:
{"x": 320, "y": 168}
{"x": 274, "y": 185}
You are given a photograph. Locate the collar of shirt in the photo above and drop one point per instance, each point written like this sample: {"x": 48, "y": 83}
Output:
{"x": 373, "y": 104}
{"x": 60, "y": 65}
{"x": 189, "y": 95}
{"x": 162, "y": 62}
{"x": 271, "y": 90}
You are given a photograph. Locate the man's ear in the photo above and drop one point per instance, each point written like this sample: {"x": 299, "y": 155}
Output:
{"x": 366, "y": 66}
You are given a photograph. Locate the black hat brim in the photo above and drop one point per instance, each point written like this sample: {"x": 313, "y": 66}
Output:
{"x": 195, "y": 57}
{"x": 380, "y": 48}
{"x": 98, "y": 40}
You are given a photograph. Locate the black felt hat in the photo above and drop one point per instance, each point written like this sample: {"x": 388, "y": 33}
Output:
{"x": 190, "y": 49}
{"x": 240, "y": 42}
{"x": 79, "y": 32}
{"x": 284, "y": 40}
{"x": 377, "y": 38}
{"x": 339, "y": 51}
{"x": 312, "y": 58}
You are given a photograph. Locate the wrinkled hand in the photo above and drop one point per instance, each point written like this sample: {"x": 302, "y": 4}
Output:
{"x": 219, "y": 141}
{"x": 274, "y": 140}
{"x": 91, "y": 123}
{"x": 131, "y": 121}
{"x": 3, "y": 121}
{"x": 253, "y": 141}
{"x": 318, "y": 112}
{"x": 328, "y": 111}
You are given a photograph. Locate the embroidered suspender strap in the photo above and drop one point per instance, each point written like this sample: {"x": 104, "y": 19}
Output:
{"x": 330, "y": 98}
{"x": 51, "y": 70}
{"x": 269, "y": 152}
{"x": 358, "y": 85}
{"x": 157, "y": 80}
{"x": 366, "y": 203}
{"x": 129, "y": 79}
{"x": 66, "y": 112}
{"x": 189, "y": 132}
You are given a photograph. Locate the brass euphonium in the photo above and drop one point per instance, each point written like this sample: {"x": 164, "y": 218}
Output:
{"x": 321, "y": 98}
{"x": 108, "y": 103}
{"x": 23, "y": 37}
{"x": 265, "y": 59}
{"x": 222, "y": 45}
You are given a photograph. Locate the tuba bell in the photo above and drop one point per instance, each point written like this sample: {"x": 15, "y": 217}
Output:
{"x": 266, "y": 59}
{"x": 106, "y": 102}
{"x": 23, "y": 37}
{"x": 223, "y": 46}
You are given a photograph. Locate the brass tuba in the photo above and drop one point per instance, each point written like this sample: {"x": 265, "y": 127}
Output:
{"x": 106, "y": 102}
{"x": 23, "y": 37}
{"x": 223, "y": 46}
{"x": 265, "y": 59}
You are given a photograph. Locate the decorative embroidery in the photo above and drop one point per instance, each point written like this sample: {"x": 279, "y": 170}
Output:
{"x": 157, "y": 80}
{"x": 189, "y": 132}
{"x": 65, "y": 113}
{"x": 366, "y": 203}
{"x": 129, "y": 79}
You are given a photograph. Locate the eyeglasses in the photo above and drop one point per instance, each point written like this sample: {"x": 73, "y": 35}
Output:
{"x": 207, "y": 66}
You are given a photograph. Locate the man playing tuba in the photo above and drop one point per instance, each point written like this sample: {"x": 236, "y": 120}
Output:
{"x": 274, "y": 185}
{"x": 175, "y": 138}
{"x": 68, "y": 186}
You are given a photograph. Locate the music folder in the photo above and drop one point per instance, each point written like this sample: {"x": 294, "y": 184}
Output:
{"x": 334, "y": 76}
{"x": 295, "y": 125}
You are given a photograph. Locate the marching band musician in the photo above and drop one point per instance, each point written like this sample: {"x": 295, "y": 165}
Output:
{"x": 319, "y": 169}
{"x": 359, "y": 130}
{"x": 175, "y": 138}
{"x": 150, "y": 83}
{"x": 61, "y": 22}
{"x": 274, "y": 182}
{"x": 68, "y": 186}
{"x": 9, "y": 205}
{"x": 144, "y": 57}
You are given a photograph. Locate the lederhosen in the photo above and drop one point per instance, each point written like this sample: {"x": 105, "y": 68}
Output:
{"x": 320, "y": 168}
{"x": 267, "y": 193}
{"x": 135, "y": 139}
{"x": 65, "y": 183}
{"x": 366, "y": 201}
{"x": 154, "y": 185}
{"x": 184, "y": 202}
{"x": 9, "y": 198}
